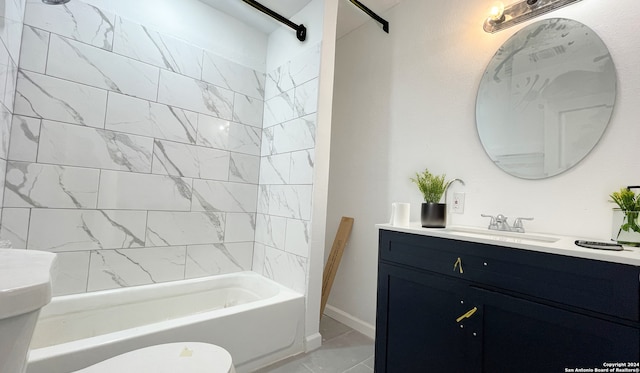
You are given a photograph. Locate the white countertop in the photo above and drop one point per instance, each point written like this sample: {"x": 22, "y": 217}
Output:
{"x": 541, "y": 242}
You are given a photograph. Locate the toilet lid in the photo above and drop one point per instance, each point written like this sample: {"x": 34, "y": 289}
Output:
{"x": 183, "y": 357}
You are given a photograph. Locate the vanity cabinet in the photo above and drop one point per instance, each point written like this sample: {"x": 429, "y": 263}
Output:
{"x": 460, "y": 306}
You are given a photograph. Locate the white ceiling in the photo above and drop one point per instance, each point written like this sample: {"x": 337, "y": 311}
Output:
{"x": 349, "y": 16}
{"x": 253, "y": 17}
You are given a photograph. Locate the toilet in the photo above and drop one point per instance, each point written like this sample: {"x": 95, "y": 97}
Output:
{"x": 187, "y": 357}
{"x": 25, "y": 287}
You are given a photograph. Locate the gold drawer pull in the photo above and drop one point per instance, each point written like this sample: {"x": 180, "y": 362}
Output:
{"x": 467, "y": 315}
{"x": 458, "y": 265}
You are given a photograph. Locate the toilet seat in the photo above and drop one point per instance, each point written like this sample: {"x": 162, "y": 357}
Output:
{"x": 182, "y": 357}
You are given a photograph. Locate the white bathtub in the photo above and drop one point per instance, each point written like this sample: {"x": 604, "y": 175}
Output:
{"x": 255, "y": 319}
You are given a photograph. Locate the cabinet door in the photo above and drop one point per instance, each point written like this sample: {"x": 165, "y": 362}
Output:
{"x": 416, "y": 326}
{"x": 524, "y": 336}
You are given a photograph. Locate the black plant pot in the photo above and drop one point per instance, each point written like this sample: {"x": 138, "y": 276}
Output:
{"x": 434, "y": 215}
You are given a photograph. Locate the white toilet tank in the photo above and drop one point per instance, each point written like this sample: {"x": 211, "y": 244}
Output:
{"x": 25, "y": 287}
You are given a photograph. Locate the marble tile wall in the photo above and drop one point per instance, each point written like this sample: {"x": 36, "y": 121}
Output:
{"x": 136, "y": 156}
{"x": 286, "y": 171}
{"x": 11, "y": 23}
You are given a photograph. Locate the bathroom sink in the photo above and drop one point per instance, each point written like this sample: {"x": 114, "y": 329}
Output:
{"x": 501, "y": 235}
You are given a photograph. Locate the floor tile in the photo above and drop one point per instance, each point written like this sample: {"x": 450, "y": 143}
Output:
{"x": 290, "y": 365}
{"x": 330, "y": 328}
{"x": 343, "y": 350}
{"x": 370, "y": 362}
{"x": 360, "y": 368}
{"x": 340, "y": 353}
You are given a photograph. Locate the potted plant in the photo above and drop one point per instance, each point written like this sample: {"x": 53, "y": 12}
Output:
{"x": 625, "y": 218}
{"x": 433, "y": 213}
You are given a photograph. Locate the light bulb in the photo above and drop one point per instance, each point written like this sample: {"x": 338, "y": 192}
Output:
{"x": 496, "y": 12}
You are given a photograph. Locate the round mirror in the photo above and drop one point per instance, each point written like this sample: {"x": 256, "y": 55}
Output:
{"x": 546, "y": 98}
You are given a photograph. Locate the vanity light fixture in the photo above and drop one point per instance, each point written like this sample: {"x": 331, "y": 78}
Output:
{"x": 501, "y": 17}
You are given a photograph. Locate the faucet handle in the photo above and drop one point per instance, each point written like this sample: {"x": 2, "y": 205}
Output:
{"x": 492, "y": 223}
{"x": 518, "y": 222}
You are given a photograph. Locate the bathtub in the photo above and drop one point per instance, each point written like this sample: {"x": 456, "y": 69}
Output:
{"x": 257, "y": 320}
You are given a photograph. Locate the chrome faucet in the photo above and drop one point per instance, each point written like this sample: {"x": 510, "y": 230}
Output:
{"x": 500, "y": 223}
{"x": 446, "y": 189}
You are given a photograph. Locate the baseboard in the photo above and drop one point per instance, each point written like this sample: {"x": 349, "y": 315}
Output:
{"x": 312, "y": 342}
{"x": 350, "y": 321}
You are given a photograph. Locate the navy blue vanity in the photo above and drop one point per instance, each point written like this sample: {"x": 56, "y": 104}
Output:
{"x": 449, "y": 304}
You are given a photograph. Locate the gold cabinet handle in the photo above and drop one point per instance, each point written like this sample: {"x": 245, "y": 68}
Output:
{"x": 467, "y": 315}
{"x": 458, "y": 265}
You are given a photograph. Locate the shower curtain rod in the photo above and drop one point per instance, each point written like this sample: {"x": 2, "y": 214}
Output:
{"x": 301, "y": 31}
{"x": 370, "y": 13}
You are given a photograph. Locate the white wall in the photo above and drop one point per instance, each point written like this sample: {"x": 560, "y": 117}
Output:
{"x": 321, "y": 175}
{"x": 134, "y": 110}
{"x": 283, "y": 43}
{"x": 197, "y": 23}
{"x": 296, "y": 259}
{"x": 11, "y": 22}
{"x": 406, "y": 100}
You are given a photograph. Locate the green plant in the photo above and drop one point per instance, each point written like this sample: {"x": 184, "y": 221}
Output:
{"x": 629, "y": 203}
{"x": 432, "y": 187}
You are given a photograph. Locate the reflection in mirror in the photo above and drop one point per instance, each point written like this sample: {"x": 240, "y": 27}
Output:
{"x": 546, "y": 98}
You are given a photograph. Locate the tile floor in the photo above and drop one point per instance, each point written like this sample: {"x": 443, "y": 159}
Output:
{"x": 343, "y": 350}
